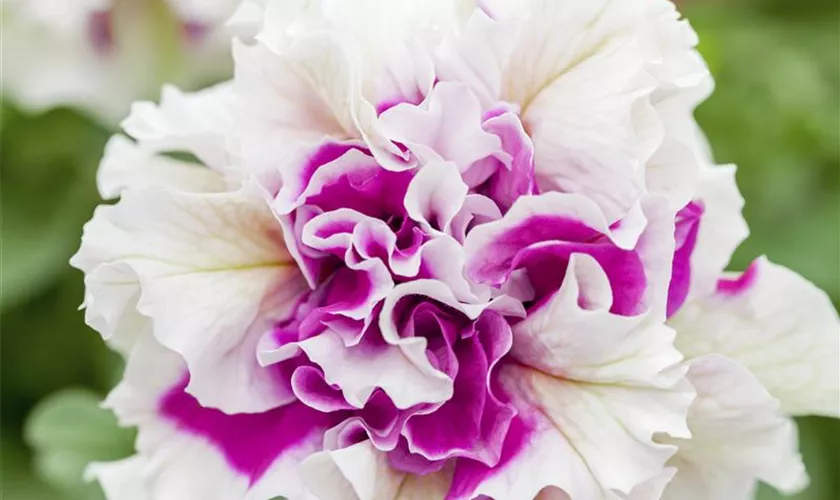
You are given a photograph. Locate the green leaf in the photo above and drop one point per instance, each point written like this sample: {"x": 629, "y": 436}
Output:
{"x": 49, "y": 164}
{"x": 34, "y": 254}
{"x": 67, "y": 431}
{"x": 18, "y": 482}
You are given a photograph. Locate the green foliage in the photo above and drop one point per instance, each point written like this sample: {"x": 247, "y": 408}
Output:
{"x": 69, "y": 430}
{"x": 48, "y": 192}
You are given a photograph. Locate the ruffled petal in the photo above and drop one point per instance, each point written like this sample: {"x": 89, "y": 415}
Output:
{"x": 540, "y": 233}
{"x": 129, "y": 165}
{"x": 447, "y": 127}
{"x": 407, "y": 383}
{"x": 738, "y": 436}
{"x": 189, "y": 451}
{"x": 776, "y": 324}
{"x": 361, "y": 472}
{"x": 574, "y": 335}
{"x": 196, "y": 122}
{"x": 577, "y": 75}
{"x": 590, "y": 441}
{"x": 280, "y": 110}
{"x": 435, "y": 195}
{"x": 577, "y": 70}
{"x": 209, "y": 272}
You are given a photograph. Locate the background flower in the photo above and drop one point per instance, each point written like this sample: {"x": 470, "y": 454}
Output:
{"x": 801, "y": 125}
{"x": 100, "y": 55}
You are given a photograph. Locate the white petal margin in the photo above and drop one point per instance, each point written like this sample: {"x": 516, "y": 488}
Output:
{"x": 210, "y": 272}
{"x": 738, "y": 437}
{"x": 171, "y": 462}
{"x": 594, "y": 388}
{"x": 779, "y": 326}
{"x": 361, "y": 472}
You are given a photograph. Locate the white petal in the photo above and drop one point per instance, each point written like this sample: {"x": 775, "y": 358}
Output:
{"x": 684, "y": 82}
{"x": 361, "y": 472}
{"x": 577, "y": 73}
{"x": 50, "y": 59}
{"x": 776, "y": 324}
{"x": 213, "y": 274}
{"x": 738, "y": 437}
{"x": 435, "y": 195}
{"x": 111, "y": 294}
{"x": 584, "y": 137}
{"x": 281, "y": 107}
{"x": 128, "y": 165}
{"x": 672, "y": 171}
{"x": 478, "y": 57}
{"x": 593, "y": 345}
{"x": 122, "y": 479}
{"x": 593, "y": 81}
{"x": 388, "y": 36}
{"x": 590, "y": 441}
{"x": 653, "y": 488}
{"x": 196, "y": 123}
{"x": 176, "y": 461}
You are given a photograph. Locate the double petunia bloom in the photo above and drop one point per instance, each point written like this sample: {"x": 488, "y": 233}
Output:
{"x": 428, "y": 250}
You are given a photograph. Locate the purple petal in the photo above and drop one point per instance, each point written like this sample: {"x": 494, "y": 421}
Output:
{"x": 685, "y": 234}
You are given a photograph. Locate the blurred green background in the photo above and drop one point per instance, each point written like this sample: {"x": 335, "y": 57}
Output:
{"x": 774, "y": 113}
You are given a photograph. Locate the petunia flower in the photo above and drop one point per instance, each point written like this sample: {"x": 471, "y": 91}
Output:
{"x": 444, "y": 251}
{"x": 100, "y": 55}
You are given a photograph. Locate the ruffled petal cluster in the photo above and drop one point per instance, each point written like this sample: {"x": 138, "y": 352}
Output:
{"x": 446, "y": 250}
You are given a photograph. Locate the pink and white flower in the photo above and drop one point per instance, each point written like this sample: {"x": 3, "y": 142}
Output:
{"x": 446, "y": 251}
{"x": 100, "y": 55}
